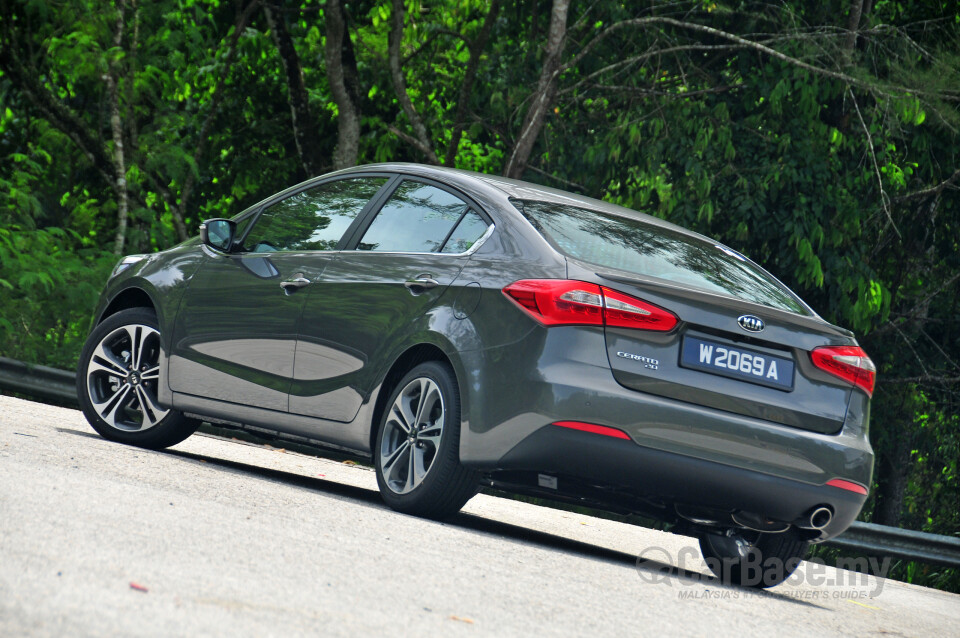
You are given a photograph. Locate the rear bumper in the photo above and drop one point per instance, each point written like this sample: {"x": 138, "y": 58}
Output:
{"x": 678, "y": 452}
{"x": 574, "y": 457}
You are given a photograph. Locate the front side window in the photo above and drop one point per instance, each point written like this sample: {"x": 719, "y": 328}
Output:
{"x": 314, "y": 219}
{"x": 647, "y": 249}
{"x": 416, "y": 219}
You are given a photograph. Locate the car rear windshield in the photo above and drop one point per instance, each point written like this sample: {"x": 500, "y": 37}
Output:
{"x": 646, "y": 249}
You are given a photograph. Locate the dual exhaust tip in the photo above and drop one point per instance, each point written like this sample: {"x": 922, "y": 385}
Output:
{"x": 817, "y": 518}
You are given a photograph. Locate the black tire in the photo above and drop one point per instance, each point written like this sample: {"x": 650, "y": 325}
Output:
{"x": 118, "y": 414}
{"x": 761, "y": 560}
{"x": 446, "y": 485}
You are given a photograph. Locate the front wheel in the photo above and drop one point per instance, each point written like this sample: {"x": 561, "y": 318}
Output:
{"x": 752, "y": 559}
{"x": 117, "y": 380}
{"x": 417, "y": 456}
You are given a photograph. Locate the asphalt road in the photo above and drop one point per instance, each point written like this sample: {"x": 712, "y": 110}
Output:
{"x": 215, "y": 537}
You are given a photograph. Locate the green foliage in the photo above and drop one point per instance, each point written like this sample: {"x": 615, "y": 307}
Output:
{"x": 49, "y": 285}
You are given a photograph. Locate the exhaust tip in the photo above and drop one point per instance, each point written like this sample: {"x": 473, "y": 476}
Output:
{"x": 820, "y": 517}
{"x": 817, "y": 518}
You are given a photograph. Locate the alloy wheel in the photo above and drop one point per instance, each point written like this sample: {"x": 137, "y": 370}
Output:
{"x": 412, "y": 434}
{"x": 122, "y": 377}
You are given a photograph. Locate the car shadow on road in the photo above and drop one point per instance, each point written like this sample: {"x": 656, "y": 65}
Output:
{"x": 648, "y": 570}
{"x": 91, "y": 435}
{"x": 361, "y": 494}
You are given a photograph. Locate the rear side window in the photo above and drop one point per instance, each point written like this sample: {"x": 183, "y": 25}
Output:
{"x": 468, "y": 232}
{"x": 416, "y": 219}
{"x": 314, "y": 219}
{"x": 645, "y": 249}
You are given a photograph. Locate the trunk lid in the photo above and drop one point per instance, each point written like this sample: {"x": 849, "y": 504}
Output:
{"x": 743, "y": 340}
{"x": 710, "y": 360}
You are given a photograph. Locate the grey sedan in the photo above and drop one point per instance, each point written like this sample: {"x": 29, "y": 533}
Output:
{"x": 462, "y": 330}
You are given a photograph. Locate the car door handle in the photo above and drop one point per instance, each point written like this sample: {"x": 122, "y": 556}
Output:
{"x": 420, "y": 284}
{"x": 294, "y": 284}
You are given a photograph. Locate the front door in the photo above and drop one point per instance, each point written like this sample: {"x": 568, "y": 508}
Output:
{"x": 236, "y": 331}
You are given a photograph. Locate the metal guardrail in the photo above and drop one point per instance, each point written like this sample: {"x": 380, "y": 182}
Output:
{"x": 861, "y": 538}
{"x": 38, "y": 381}
{"x": 880, "y": 540}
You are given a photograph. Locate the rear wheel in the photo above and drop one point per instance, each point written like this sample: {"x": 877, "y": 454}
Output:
{"x": 417, "y": 453}
{"x": 117, "y": 380}
{"x": 752, "y": 559}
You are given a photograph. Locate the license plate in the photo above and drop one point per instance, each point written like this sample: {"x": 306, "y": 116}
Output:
{"x": 737, "y": 363}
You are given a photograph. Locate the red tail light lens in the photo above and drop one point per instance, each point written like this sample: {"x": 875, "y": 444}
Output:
{"x": 850, "y": 363}
{"x": 555, "y": 302}
{"x": 623, "y": 311}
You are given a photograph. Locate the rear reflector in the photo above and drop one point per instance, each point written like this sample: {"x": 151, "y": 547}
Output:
{"x": 594, "y": 429}
{"x": 850, "y": 486}
{"x": 850, "y": 363}
{"x": 558, "y": 302}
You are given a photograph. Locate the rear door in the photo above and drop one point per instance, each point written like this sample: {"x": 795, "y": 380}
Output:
{"x": 236, "y": 331}
{"x": 398, "y": 265}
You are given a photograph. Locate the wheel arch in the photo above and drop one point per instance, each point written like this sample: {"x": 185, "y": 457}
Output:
{"x": 130, "y": 297}
{"x": 406, "y": 361}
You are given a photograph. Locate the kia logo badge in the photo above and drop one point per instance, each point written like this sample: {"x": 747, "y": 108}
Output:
{"x": 750, "y": 323}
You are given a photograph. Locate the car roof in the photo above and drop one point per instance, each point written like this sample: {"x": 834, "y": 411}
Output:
{"x": 517, "y": 189}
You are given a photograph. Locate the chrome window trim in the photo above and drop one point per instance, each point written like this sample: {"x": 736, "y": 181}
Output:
{"x": 476, "y": 246}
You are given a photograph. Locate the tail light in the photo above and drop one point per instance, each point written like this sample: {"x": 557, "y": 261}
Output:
{"x": 556, "y": 302}
{"x": 850, "y": 363}
{"x": 624, "y": 311}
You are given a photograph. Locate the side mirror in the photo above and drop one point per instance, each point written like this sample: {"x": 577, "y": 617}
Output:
{"x": 218, "y": 233}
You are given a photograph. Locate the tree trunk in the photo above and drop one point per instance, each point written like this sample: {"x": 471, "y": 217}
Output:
{"x": 420, "y": 140}
{"x": 119, "y": 167}
{"x": 116, "y": 129}
{"x": 304, "y": 127}
{"x": 342, "y": 75}
{"x": 853, "y": 24}
{"x": 131, "y": 97}
{"x": 892, "y": 489}
{"x": 894, "y": 458}
{"x": 543, "y": 96}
